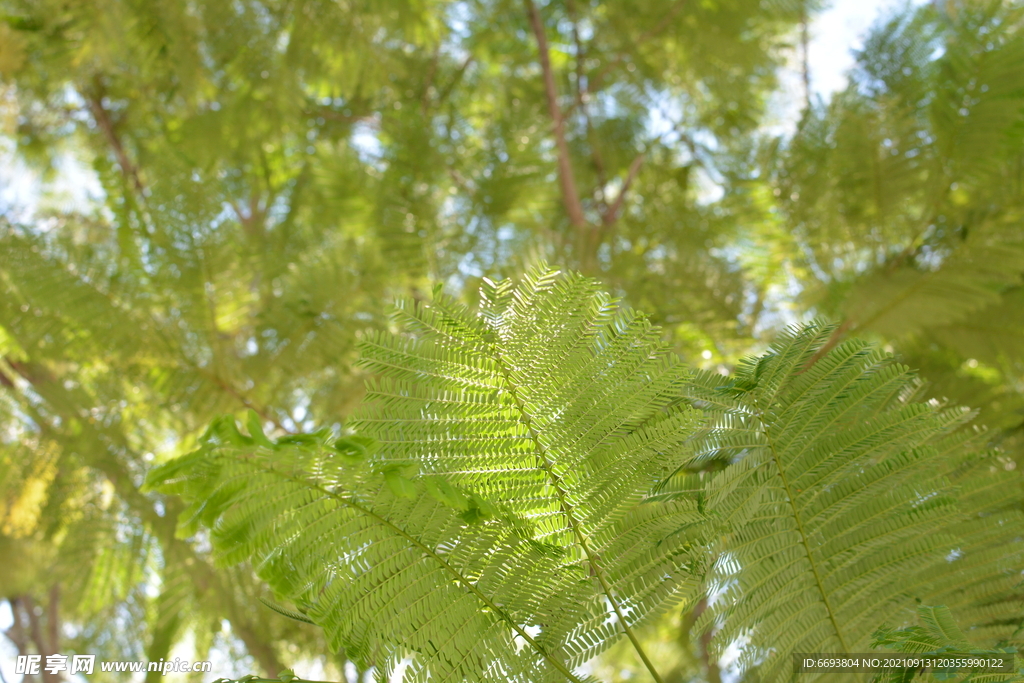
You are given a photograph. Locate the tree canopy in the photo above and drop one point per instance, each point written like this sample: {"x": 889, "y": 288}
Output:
{"x": 270, "y": 175}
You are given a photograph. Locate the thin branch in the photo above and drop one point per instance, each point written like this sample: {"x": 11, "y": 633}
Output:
{"x": 37, "y": 637}
{"x": 443, "y": 95}
{"x": 634, "y": 168}
{"x": 581, "y": 89}
{"x": 215, "y": 337}
{"x": 570, "y": 196}
{"x": 582, "y": 96}
{"x": 328, "y": 113}
{"x": 16, "y": 633}
{"x": 595, "y": 81}
{"x": 241, "y": 398}
{"x": 53, "y": 618}
{"x": 429, "y": 82}
{"x": 102, "y": 118}
{"x": 614, "y": 211}
{"x": 703, "y": 646}
{"x": 267, "y": 176}
{"x": 805, "y": 48}
{"x": 131, "y": 173}
{"x": 239, "y": 214}
{"x": 34, "y": 632}
{"x": 461, "y": 181}
{"x": 836, "y": 337}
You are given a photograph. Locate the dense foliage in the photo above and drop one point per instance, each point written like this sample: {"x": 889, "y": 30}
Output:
{"x": 233, "y": 192}
{"x": 532, "y": 467}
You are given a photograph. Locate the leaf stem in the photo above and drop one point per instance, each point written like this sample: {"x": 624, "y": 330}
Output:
{"x": 800, "y": 529}
{"x": 546, "y": 465}
{"x": 469, "y": 585}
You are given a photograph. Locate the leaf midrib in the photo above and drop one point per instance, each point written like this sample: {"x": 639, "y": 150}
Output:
{"x": 759, "y": 415}
{"x": 546, "y": 466}
{"x": 459, "y": 577}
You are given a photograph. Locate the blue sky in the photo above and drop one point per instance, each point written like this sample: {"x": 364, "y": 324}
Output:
{"x": 835, "y": 33}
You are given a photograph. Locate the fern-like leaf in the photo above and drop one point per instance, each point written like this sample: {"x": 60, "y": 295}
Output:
{"x": 939, "y": 634}
{"x": 848, "y": 502}
{"x": 496, "y": 522}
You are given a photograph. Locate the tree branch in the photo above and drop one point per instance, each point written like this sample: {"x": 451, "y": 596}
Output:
{"x": 53, "y": 618}
{"x": 230, "y": 390}
{"x": 443, "y": 95}
{"x": 582, "y": 95}
{"x": 36, "y": 631}
{"x": 16, "y": 633}
{"x": 106, "y": 126}
{"x": 595, "y": 81}
{"x": 634, "y": 168}
{"x": 703, "y": 645}
{"x": 834, "y": 339}
{"x": 248, "y": 220}
{"x": 429, "y": 82}
{"x": 614, "y": 211}
{"x": 570, "y": 196}
{"x": 805, "y": 48}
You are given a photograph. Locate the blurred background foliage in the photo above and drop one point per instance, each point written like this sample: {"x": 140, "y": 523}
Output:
{"x": 268, "y": 174}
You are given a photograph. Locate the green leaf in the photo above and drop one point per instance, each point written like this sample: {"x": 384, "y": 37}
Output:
{"x": 255, "y": 424}
{"x": 940, "y": 635}
{"x": 540, "y": 428}
{"x": 847, "y": 501}
{"x": 399, "y": 485}
{"x": 444, "y": 492}
{"x": 356, "y": 446}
